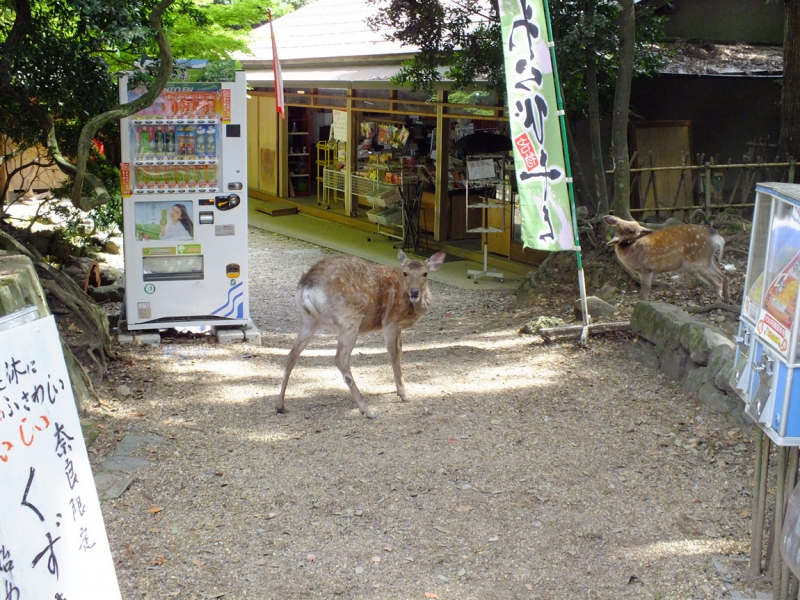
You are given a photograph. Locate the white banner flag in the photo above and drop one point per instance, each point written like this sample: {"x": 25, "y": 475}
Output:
{"x": 535, "y": 127}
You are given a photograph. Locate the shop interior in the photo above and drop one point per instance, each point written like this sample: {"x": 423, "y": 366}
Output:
{"x": 394, "y": 174}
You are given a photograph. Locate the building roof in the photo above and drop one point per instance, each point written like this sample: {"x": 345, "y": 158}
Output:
{"x": 740, "y": 60}
{"x": 325, "y": 31}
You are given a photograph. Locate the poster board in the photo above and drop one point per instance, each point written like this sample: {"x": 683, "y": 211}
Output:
{"x": 339, "y": 128}
{"x": 53, "y": 541}
{"x": 481, "y": 169}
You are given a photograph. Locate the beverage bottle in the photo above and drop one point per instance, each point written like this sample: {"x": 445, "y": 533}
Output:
{"x": 144, "y": 141}
{"x": 211, "y": 141}
{"x": 190, "y": 135}
{"x": 163, "y": 216}
{"x": 159, "y": 150}
{"x": 138, "y": 176}
{"x": 170, "y": 141}
{"x": 211, "y": 176}
{"x": 200, "y": 145}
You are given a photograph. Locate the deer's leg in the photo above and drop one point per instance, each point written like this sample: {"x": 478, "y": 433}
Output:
{"x": 717, "y": 278}
{"x": 647, "y": 281}
{"x": 308, "y": 328}
{"x": 394, "y": 344}
{"x": 344, "y": 350}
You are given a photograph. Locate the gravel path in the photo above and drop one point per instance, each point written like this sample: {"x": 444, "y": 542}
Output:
{"x": 515, "y": 470}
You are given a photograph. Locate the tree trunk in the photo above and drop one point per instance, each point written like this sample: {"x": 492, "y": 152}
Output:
{"x": 789, "y": 142}
{"x": 619, "y": 126}
{"x": 598, "y": 169}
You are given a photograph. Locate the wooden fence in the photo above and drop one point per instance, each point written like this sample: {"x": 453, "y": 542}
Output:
{"x": 707, "y": 185}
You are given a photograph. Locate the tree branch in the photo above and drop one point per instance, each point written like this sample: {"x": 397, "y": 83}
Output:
{"x": 94, "y": 124}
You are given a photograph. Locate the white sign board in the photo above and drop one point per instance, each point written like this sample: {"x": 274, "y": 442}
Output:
{"x": 339, "y": 125}
{"x": 481, "y": 169}
{"x": 53, "y": 542}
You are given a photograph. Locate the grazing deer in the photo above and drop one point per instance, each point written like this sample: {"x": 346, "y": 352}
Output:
{"x": 351, "y": 296}
{"x": 678, "y": 247}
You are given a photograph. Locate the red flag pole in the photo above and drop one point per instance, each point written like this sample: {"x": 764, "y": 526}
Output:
{"x": 276, "y": 71}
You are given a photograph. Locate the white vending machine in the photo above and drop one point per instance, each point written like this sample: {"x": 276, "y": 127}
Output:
{"x": 184, "y": 188}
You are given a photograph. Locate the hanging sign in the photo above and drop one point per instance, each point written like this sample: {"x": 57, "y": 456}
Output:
{"x": 53, "y": 540}
{"x": 339, "y": 129}
{"x": 535, "y": 128}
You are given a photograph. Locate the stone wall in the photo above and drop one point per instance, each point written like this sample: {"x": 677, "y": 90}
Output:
{"x": 697, "y": 355}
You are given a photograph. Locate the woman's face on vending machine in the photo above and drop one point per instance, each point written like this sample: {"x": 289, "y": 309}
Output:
{"x": 174, "y": 214}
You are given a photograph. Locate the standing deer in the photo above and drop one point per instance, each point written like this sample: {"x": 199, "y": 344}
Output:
{"x": 351, "y": 296}
{"x": 678, "y": 247}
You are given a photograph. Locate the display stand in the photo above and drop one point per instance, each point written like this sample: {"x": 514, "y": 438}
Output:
{"x": 326, "y": 159}
{"x": 485, "y": 172}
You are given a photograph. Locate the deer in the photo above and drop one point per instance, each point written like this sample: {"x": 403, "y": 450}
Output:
{"x": 350, "y": 296}
{"x": 646, "y": 252}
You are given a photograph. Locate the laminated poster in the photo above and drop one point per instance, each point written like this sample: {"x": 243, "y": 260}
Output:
{"x": 53, "y": 543}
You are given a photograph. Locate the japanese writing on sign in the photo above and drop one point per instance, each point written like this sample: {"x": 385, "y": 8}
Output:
{"x": 53, "y": 542}
{"x": 535, "y": 128}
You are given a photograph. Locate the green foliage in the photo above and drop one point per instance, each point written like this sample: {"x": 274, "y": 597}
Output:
{"x": 463, "y": 42}
{"x": 59, "y": 61}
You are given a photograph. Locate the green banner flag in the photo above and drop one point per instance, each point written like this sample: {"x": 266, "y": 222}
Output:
{"x": 539, "y": 154}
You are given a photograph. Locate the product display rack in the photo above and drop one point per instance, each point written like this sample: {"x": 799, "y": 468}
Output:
{"x": 326, "y": 159}
{"x": 299, "y": 154}
{"x": 485, "y": 172}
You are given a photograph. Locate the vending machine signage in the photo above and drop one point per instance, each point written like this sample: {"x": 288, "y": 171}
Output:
{"x": 184, "y": 184}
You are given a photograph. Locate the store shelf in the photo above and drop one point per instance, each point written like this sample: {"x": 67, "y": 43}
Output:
{"x": 299, "y": 154}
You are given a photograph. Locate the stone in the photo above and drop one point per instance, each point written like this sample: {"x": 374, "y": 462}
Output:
{"x": 660, "y": 323}
{"x": 714, "y": 399}
{"x": 694, "y": 377}
{"x": 702, "y": 339}
{"x": 107, "y": 293}
{"x": 673, "y": 362}
{"x": 19, "y": 285}
{"x": 596, "y": 306}
{"x": 644, "y": 352}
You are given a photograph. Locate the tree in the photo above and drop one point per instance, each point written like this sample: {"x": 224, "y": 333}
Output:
{"x": 619, "y": 124}
{"x": 464, "y": 37}
{"x": 59, "y": 61}
{"x": 789, "y": 141}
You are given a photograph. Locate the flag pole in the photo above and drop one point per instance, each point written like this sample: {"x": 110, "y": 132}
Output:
{"x": 277, "y": 75}
{"x": 570, "y": 187}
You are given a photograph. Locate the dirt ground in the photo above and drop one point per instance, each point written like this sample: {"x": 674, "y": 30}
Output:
{"x": 517, "y": 469}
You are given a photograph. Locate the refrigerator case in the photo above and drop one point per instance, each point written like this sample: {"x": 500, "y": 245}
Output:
{"x": 184, "y": 187}
{"x": 767, "y": 344}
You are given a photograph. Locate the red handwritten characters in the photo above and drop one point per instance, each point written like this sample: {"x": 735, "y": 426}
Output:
{"x": 526, "y": 151}
{"x": 9, "y": 446}
{"x": 22, "y": 435}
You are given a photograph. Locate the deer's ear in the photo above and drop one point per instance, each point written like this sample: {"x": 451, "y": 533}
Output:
{"x": 436, "y": 261}
{"x": 401, "y": 256}
{"x": 611, "y": 219}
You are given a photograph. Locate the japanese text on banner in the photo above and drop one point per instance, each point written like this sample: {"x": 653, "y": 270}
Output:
{"x": 53, "y": 541}
{"x": 535, "y": 128}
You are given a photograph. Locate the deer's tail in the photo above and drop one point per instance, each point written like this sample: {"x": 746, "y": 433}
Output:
{"x": 305, "y": 302}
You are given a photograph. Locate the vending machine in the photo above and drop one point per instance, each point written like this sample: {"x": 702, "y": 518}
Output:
{"x": 184, "y": 188}
{"x": 767, "y": 352}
